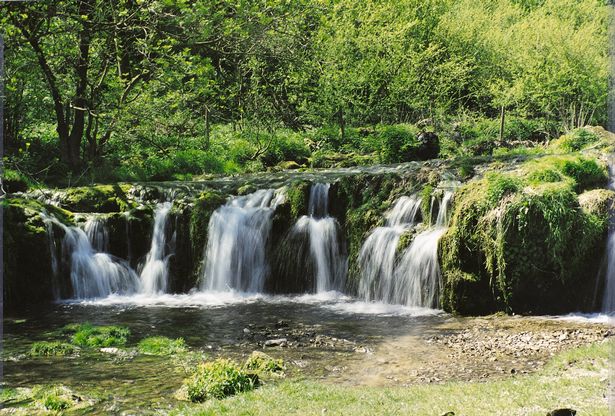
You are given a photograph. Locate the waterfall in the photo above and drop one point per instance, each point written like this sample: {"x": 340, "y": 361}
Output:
{"x": 321, "y": 229}
{"x": 377, "y": 255}
{"x": 155, "y": 273}
{"x": 95, "y": 274}
{"x": 96, "y": 231}
{"x": 53, "y": 252}
{"x": 236, "y": 243}
{"x": 608, "y": 301}
{"x": 417, "y": 275}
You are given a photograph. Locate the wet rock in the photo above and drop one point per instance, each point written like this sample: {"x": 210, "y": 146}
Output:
{"x": 280, "y": 342}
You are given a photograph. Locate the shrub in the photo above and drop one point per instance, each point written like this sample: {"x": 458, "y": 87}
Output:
{"x": 14, "y": 181}
{"x": 218, "y": 379}
{"x": 56, "y": 403}
{"x": 396, "y": 143}
{"x": 586, "y": 172}
{"x": 55, "y": 348}
{"x": 499, "y": 185}
{"x": 577, "y": 140}
{"x": 162, "y": 346}
{"x": 88, "y": 335}
{"x": 261, "y": 362}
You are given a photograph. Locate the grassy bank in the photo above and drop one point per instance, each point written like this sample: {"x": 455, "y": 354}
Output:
{"x": 575, "y": 379}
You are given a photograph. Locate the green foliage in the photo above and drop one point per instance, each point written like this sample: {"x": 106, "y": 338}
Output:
{"x": 521, "y": 240}
{"x": 88, "y": 335}
{"x": 218, "y": 379}
{"x": 52, "y": 348}
{"x": 260, "y": 362}
{"x": 56, "y": 403}
{"x": 15, "y": 181}
{"x": 396, "y": 143}
{"x": 162, "y": 346}
{"x": 577, "y": 140}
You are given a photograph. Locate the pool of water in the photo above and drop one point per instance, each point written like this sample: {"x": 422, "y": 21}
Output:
{"x": 323, "y": 333}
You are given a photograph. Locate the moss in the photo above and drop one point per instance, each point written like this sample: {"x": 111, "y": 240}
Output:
{"x": 98, "y": 198}
{"x": 218, "y": 379}
{"x": 426, "y": 193}
{"x": 162, "y": 346}
{"x": 528, "y": 241}
{"x": 25, "y": 233}
{"x": 263, "y": 363}
{"x": 576, "y": 140}
{"x": 54, "y": 348}
{"x": 598, "y": 202}
{"x": 298, "y": 196}
{"x": 88, "y": 335}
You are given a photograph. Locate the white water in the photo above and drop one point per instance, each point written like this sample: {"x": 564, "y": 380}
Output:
{"x": 331, "y": 263}
{"x": 417, "y": 275}
{"x": 96, "y": 230}
{"x": 155, "y": 273}
{"x": 377, "y": 255}
{"x": 95, "y": 274}
{"x": 237, "y": 240}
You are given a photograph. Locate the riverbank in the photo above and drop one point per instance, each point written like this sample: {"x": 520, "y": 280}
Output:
{"x": 339, "y": 354}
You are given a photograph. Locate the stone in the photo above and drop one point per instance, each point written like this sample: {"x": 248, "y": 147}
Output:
{"x": 562, "y": 412}
{"x": 280, "y": 342}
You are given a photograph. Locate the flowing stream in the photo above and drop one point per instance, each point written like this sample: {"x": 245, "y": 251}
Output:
{"x": 237, "y": 240}
{"x": 155, "y": 273}
{"x": 330, "y": 263}
{"x": 608, "y": 301}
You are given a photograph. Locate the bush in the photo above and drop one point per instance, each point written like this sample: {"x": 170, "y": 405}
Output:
{"x": 56, "y": 403}
{"x": 586, "y": 173}
{"x": 162, "y": 346}
{"x": 14, "y": 181}
{"x": 88, "y": 335}
{"x": 218, "y": 379}
{"x": 261, "y": 362}
{"x": 577, "y": 140}
{"x": 396, "y": 143}
{"x": 55, "y": 348}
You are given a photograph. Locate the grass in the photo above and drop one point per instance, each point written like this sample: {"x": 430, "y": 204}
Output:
{"x": 162, "y": 346}
{"x": 88, "y": 335}
{"x": 218, "y": 379}
{"x": 53, "y": 348}
{"x": 575, "y": 379}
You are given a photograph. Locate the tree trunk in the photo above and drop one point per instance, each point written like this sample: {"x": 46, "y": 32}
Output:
{"x": 502, "y": 116}
{"x": 207, "y": 143}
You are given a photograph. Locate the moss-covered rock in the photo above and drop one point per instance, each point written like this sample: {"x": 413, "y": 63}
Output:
{"x": 28, "y": 274}
{"x": 598, "y": 202}
{"x": 98, "y": 198}
{"x": 522, "y": 244}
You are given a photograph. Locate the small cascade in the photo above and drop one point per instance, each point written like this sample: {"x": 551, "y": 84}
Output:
{"x": 96, "y": 231}
{"x": 155, "y": 273}
{"x": 237, "y": 239}
{"x": 94, "y": 274}
{"x": 329, "y": 263}
{"x": 608, "y": 300}
{"x": 417, "y": 276}
{"x": 377, "y": 255}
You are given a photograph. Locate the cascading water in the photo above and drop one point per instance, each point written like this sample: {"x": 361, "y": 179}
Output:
{"x": 377, "y": 255}
{"x": 96, "y": 231}
{"x": 237, "y": 239}
{"x": 417, "y": 276}
{"x": 330, "y": 263}
{"x": 608, "y": 300}
{"x": 155, "y": 273}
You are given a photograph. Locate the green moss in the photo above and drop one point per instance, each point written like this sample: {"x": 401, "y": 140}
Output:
{"x": 576, "y": 140}
{"x": 522, "y": 242}
{"x": 263, "y": 363}
{"x": 98, "y": 198}
{"x": 56, "y": 403}
{"x": 54, "y": 348}
{"x": 88, "y": 335}
{"x": 298, "y": 195}
{"x": 162, "y": 346}
{"x": 218, "y": 379}
{"x": 426, "y": 193}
